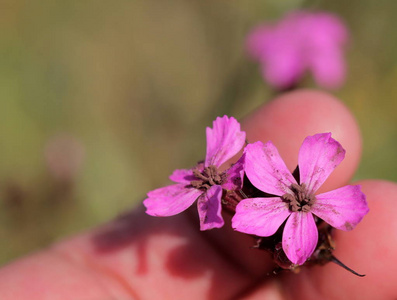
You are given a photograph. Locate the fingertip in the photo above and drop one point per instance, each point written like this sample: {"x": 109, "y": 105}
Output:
{"x": 292, "y": 116}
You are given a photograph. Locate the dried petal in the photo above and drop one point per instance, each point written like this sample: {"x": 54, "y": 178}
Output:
{"x": 235, "y": 175}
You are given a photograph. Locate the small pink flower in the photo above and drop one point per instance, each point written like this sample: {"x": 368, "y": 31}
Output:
{"x": 204, "y": 182}
{"x": 302, "y": 41}
{"x": 295, "y": 202}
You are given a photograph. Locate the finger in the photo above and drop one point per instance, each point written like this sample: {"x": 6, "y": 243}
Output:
{"x": 371, "y": 248}
{"x": 290, "y": 118}
{"x": 169, "y": 257}
{"x": 51, "y": 275}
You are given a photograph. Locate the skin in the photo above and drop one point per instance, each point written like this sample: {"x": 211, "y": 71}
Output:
{"x": 142, "y": 257}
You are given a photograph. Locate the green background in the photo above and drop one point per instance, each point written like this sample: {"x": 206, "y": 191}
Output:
{"x": 132, "y": 84}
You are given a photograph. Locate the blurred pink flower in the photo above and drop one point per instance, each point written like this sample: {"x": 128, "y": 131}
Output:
{"x": 302, "y": 41}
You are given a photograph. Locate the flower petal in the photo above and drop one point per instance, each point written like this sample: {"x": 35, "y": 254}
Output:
{"x": 223, "y": 141}
{"x": 300, "y": 237}
{"x": 328, "y": 67}
{"x": 283, "y": 66}
{"x": 235, "y": 175}
{"x": 260, "y": 216}
{"x": 266, "y": 169}
{"x": 259, "y": 40}
{"x": 319, "y": 155}
{"x": 342, "y": 208}
{"x": 209, "y": 208}
{"x": 184, "y": 176}
{"x": 170, "y": 200}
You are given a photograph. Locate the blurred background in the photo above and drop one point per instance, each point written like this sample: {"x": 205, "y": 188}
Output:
{"x": 102, "y": 100}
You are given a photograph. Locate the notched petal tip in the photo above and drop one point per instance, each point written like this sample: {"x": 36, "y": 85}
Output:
{"x": 224, "y": 140}
{"x": 319, "y": 155}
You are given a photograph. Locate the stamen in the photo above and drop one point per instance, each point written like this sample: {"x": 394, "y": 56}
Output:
{"x": 199, "y": 175}
{"x": 301, "y": 200}
{"x": 208, "y": 177}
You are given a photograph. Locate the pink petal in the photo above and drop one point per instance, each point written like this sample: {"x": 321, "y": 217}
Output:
{"x": 258, "y": 41}
{"x": 342, "y": 208}
{"x": 283, "y": 65}
{"x": 209, "y": 208}
{"x": 170, "y": 200}
{"x": 319, "y": 155}
{"x": 184, "y": 176}
{"x": 324, "y": 25}
{"x": 223, "y": 141}
{"x": 260, "y": 216}
{"x": 328, "y": 67}
{"x": 235, "y": 175}
{"x": 266, "y": 169}
{"x": 300, "y": 237}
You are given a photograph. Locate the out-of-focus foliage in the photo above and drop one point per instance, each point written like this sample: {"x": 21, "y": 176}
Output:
{"x": 101, "y": 100}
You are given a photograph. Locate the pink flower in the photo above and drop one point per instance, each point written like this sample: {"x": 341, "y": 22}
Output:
{"x": 295, "y": 202}
{"x": 204, "y": 182}
{"x": 302, "y": 41}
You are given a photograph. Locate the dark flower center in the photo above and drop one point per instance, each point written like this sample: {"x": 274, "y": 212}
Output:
{"x": 301, "y": 200}
{"x": 208, "y": 177}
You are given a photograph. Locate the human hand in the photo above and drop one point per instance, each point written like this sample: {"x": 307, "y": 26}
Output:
{"x": 142, "y": 257}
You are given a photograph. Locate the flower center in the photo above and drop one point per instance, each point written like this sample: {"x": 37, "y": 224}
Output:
{"x": 301, "y": 200}
{"x": 209, "y": 177}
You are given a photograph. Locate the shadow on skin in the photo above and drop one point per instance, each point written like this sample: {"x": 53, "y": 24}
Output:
{"x": 171, "y": 247}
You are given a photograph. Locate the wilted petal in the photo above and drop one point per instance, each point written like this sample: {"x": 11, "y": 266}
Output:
{"x": 184, "y": 176}
{"x": 300, "y": 237}
{"x": 342, "y": 208}
{"x": 319, "y": 155}
{"x": 170, "y": 200}
{"x": 209, "y": 208}
{"x": 224, "y": 141}
{"x": 260, "y": 216}
{"x": 235, "y": 175}
{"x": 266, "y": 169}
